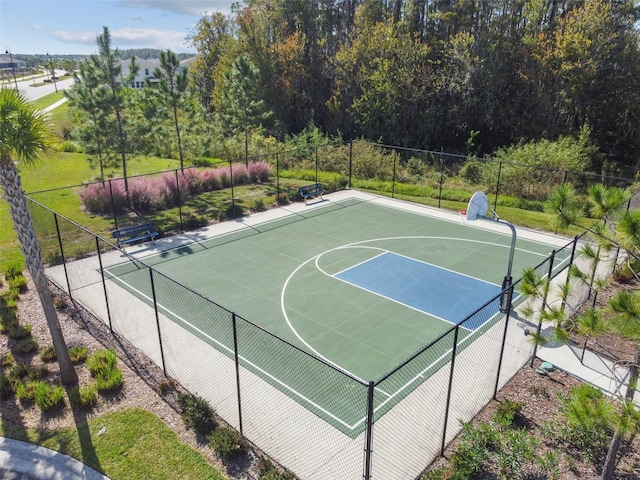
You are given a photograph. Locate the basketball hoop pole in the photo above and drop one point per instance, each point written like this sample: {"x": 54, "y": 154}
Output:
{"x": 478, "y": 206}
{"x": 507, "y": 283}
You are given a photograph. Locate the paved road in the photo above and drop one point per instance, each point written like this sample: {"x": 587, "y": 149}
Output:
{"x": 33, "y": 93}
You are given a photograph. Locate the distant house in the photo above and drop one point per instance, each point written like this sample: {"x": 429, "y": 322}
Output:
{"x": 146, "y": 69}
{"x": 6, "y": 63}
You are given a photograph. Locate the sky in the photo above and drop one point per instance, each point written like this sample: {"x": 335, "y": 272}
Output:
{"x": 60, "y": 27}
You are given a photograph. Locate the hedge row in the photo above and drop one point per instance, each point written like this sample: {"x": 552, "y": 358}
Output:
{"x": 147, "y": 194}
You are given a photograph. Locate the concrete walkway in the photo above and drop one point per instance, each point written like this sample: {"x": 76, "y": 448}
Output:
{"x": 610, "y": 377}
{"x": 25, "y": 461}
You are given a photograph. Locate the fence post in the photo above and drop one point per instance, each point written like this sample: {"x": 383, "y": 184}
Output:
{"x": 369, "y": 433}
{"x": 237, "y": 362}
{"x": 179, "y": 201}
{"x": 441, "y": 181}
{"x": 233, "y": 198}
{"x": 573, "y": 254}
{"x": 113, "y": 207}
{"x": 64, "y": 262}
{"x": 316, "y": 155}
{"x": 104, "y": 284}
{"x": 446, "y": 408}
{"x": 504, "y": 339}
{"x": 278, "y": 179}
{"x": 495, "y": 201}
{"x": 393, "y": 178}
{"x": 155, "y": 309}
{"x": 552, "y": 256}
{"x": 350, "y": 162}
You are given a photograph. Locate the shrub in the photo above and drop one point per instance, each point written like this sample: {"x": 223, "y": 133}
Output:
{"x": 240, "y": 174}
{"x": 233, "y": 211}
{"x": 69, "y": 146}
{"x": 193, "y": 222}
{"x": 190, "y": 181}
{"x": 7, "y": 360}
{"x": 26, "y": 392}
{"x": 48, "y": 354}
{"x": 147, "y": 194}
{"x": 439, "y": 473}
{"x": 227, "y": 443}
{"x": 259, "y": 171}
{"x": 266, "y": 471}
{"x": 258, "y": 205}
{"x": 506, "y": 412}
{"x": 78, "y": 354}
{"x": 102, "y": 360}
{"x": 60, "y": 303}
{"x": 173, "y": 193}
{"x": 20, "y": 370}
{"x": 210, "y": 180}
{"x": 13, "y": 269}
{"x": 197, "y": 414}
{"x": 470, "y": 458}
{"x": 82, "y": 397}
{"x": 7, "y": 385}
{"x": 17, "y": 331}
{"x": 11, "y": 296}
{"x": 97, "y": 197}
{"x": 47, "y": 396}
{"x": 36, "y": 373}
{"x": 108, "y": 379}
{"x": 18, "y": 282}
{"x": 26, "y": 345}
{"x": 223, "y": 175}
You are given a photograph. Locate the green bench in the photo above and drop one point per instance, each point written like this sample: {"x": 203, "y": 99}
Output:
{"x": 311, "y": 191}
{"x": 135, "y": 233}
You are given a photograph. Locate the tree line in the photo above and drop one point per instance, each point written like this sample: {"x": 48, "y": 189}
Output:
{"x": 460, "y": 75}
{"x": 476, "y": 78}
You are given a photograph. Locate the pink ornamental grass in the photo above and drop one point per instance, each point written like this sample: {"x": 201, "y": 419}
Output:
{"x": 240, "y": 174}
{"x": 223, "y": 174}
{"x": 97, "y": 197}
{"x": 190, "y": 180}
{"x": 210, "y": 179}
{"x": 148, "y": 194}
{"x": 259, "y": 171}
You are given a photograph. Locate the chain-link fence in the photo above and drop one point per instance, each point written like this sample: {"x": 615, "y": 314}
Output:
{"x": 276, "y": 394}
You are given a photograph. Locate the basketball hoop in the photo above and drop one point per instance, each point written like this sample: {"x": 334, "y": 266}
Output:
{"x": 478, "y": 207}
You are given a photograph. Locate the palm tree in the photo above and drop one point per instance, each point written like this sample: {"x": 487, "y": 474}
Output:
{"x": 24, "y": 134}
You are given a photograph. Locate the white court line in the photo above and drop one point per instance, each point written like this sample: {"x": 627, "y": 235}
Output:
{"x": 266, "y": 374}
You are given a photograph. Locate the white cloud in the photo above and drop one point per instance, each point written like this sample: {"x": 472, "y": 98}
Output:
{"x": 85, "y": 38}
{"x": 138, "y": 17}
{"x": 124, "y": 38}
{"x": 182, "y": 7}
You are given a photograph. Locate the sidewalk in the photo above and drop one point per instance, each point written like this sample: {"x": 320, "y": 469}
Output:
{"x": 25, "y": 461}
{"x": 600, "y": 372}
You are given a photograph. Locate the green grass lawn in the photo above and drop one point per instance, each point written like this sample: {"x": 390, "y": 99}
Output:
{"x": 128, "y": 445}
{"x": 47, "y": 100}
{"x": 61, "y": 170}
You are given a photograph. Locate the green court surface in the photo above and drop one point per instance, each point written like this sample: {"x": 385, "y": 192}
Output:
{"x": 361, "y": 285}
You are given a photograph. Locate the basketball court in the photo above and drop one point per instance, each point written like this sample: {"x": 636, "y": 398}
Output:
{"x": 359, "y": 281}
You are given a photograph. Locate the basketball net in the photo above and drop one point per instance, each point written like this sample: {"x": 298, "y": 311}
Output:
{"x": 463, "y": 217}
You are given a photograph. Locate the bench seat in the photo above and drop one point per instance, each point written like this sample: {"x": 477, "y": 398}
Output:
{"x": 311, "y": 191}
{"x": 135, "y": 233}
